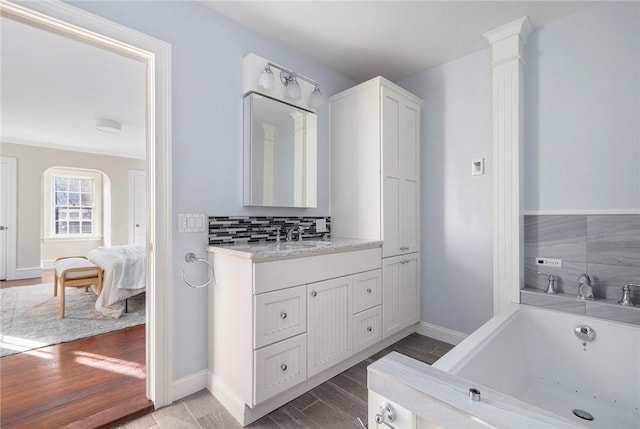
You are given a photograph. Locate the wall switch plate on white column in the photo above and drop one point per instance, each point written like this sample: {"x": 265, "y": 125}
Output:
{"x": 321, "y": 225}
{"x": 191, "y": 222}
{"x": 477, "y": 167}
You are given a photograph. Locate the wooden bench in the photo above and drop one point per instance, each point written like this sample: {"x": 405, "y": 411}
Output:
{"x": 74, "y": 271}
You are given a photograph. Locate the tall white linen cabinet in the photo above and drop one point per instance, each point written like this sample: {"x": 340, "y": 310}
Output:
{"x": 375, "y": 186}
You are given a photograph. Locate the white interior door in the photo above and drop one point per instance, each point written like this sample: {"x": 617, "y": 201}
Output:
{"x": 137, "y": 207}
{"x": 8, "y": 183}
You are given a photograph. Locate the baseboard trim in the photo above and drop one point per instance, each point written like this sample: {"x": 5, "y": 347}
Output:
{"x": 439, "y": 333}
{"x": 27, "y": 273}
{"x": 188, "y": 385}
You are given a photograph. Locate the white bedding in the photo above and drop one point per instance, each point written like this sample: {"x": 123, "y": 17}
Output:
{"x": 124, "y": 276}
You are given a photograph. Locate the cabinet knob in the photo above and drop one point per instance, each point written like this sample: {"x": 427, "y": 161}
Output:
{"x": 368, "y": 290}
{"x": 369, "y": 329}
{"x": 283, "y": 315}
{"x": 314, "y": 293}
{"x": 283, "y": 367}
{"x": 137, "y": 225}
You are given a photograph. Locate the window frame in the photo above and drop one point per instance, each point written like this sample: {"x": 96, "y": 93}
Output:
{"x": 49, "y": 204}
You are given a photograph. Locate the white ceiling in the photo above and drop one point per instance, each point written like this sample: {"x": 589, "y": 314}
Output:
{"x": 53, "y": 88}
{"x": 395, "y": 39}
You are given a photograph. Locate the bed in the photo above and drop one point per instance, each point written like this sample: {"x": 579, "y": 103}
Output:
{"x": 124, "y": 276}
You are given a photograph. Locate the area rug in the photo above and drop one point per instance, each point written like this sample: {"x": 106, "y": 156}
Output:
{"x": 29, "y": 317}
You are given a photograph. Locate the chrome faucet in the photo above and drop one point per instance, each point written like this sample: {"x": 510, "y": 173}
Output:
{"x": 626, "y": 295}
{"x": 551, "y": 288}
{"x": 585, "y": 288}
{"x": 291, "y": 230}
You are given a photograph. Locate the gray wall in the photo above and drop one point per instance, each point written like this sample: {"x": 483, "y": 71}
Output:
{"x": 455, "y": 126}
{"x": 207, "y": 52}
{"x": 582, "y": 92}
{"x": 582, "y": 148}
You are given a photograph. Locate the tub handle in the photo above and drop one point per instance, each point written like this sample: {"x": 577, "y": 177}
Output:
{"x": 387, "y": 412}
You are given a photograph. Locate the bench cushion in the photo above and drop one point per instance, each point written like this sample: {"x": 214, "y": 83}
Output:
{"x": 65, "y": 264}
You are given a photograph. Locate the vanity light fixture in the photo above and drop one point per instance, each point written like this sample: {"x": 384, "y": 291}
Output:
{"x": 267, "y": 80}
{"x": 289, "y": 79}
{"x": 108, "y": 125}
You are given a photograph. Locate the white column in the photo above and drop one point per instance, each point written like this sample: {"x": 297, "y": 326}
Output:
{"x": 299, "y": 157}
{"x": 268, "y": 163}
{"x": 508, "y": 263}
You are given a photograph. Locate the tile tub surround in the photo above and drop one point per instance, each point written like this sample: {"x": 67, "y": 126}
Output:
{"x": 607, "y": 247}
{"x": 253, "y": 229}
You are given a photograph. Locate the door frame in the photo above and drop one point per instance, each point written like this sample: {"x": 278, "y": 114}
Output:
{"x": 132, "y": 174}
{"x": 11, "y": 200}
{"x": 76, "y": 23}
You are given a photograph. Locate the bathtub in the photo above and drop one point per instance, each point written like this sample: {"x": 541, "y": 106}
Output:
{"x": 532, "y": 371}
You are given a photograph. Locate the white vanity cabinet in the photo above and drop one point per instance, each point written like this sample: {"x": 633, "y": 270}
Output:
{"x": 375, "y": 177}
{"x": 280, "y": 326}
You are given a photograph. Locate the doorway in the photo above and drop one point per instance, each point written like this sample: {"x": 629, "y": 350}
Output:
{"x": 67, "y": 20}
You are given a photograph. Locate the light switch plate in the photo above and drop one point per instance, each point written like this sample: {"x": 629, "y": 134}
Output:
{"x": 477, "y": 167}
{"x": 191, "y": 222}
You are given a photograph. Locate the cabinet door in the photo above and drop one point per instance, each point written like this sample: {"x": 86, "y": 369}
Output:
{"x": 400, "y": 173}
{"x": 391, "y": 217}
{"x": 400, "y": 297}
{"x": 409, "y": 221}
{"x": 328, "y": 323}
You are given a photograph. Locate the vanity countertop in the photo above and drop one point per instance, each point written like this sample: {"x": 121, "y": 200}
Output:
{"x": 269, "y": 251}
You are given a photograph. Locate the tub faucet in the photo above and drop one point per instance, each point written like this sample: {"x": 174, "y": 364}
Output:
{"x": 585, "y": 289}
{"x": 290, "y": 232}
{"x": 551, "y": 288}
{"x": 626, "y": 295}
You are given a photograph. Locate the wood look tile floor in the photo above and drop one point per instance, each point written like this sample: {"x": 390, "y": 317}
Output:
{"x": 335, "y": 404}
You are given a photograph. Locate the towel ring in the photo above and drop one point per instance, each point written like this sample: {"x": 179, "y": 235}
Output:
{"x": 190, "y": 257}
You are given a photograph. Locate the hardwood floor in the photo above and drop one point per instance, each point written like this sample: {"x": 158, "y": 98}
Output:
{"x": 335, "y": 404}
{"x": 47, "y": 277}
{"x": 88, "y": 383}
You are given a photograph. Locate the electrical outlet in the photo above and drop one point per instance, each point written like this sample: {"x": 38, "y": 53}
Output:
{"x": 321, "y": 225}
{"x": 549, "y": 262}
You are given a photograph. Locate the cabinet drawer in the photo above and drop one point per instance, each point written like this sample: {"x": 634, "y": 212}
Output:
{"x": 279, "y": 315}
{"x": 279, "y": 367}
{"x": 367, "y": 328}
{"x": 367, "y": 290}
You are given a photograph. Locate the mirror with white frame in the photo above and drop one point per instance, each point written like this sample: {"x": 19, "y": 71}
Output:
{"x": 280, "y": 154}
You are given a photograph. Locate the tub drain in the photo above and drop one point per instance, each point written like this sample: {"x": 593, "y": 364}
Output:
{"x": 583, "y": 414}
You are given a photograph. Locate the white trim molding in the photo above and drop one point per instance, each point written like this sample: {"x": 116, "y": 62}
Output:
{"x": 27, "y": 273}
{"x": 76, "y": 23}
{"x": 189, "y": 385}
{"x": 507, "y": 67}
{"x": 11, "y": 249}
{"x": 439, "y": 333}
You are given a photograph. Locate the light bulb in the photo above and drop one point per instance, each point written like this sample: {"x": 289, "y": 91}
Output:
{"x": 266, "y": 81}
{"x": 316, "y": 99}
